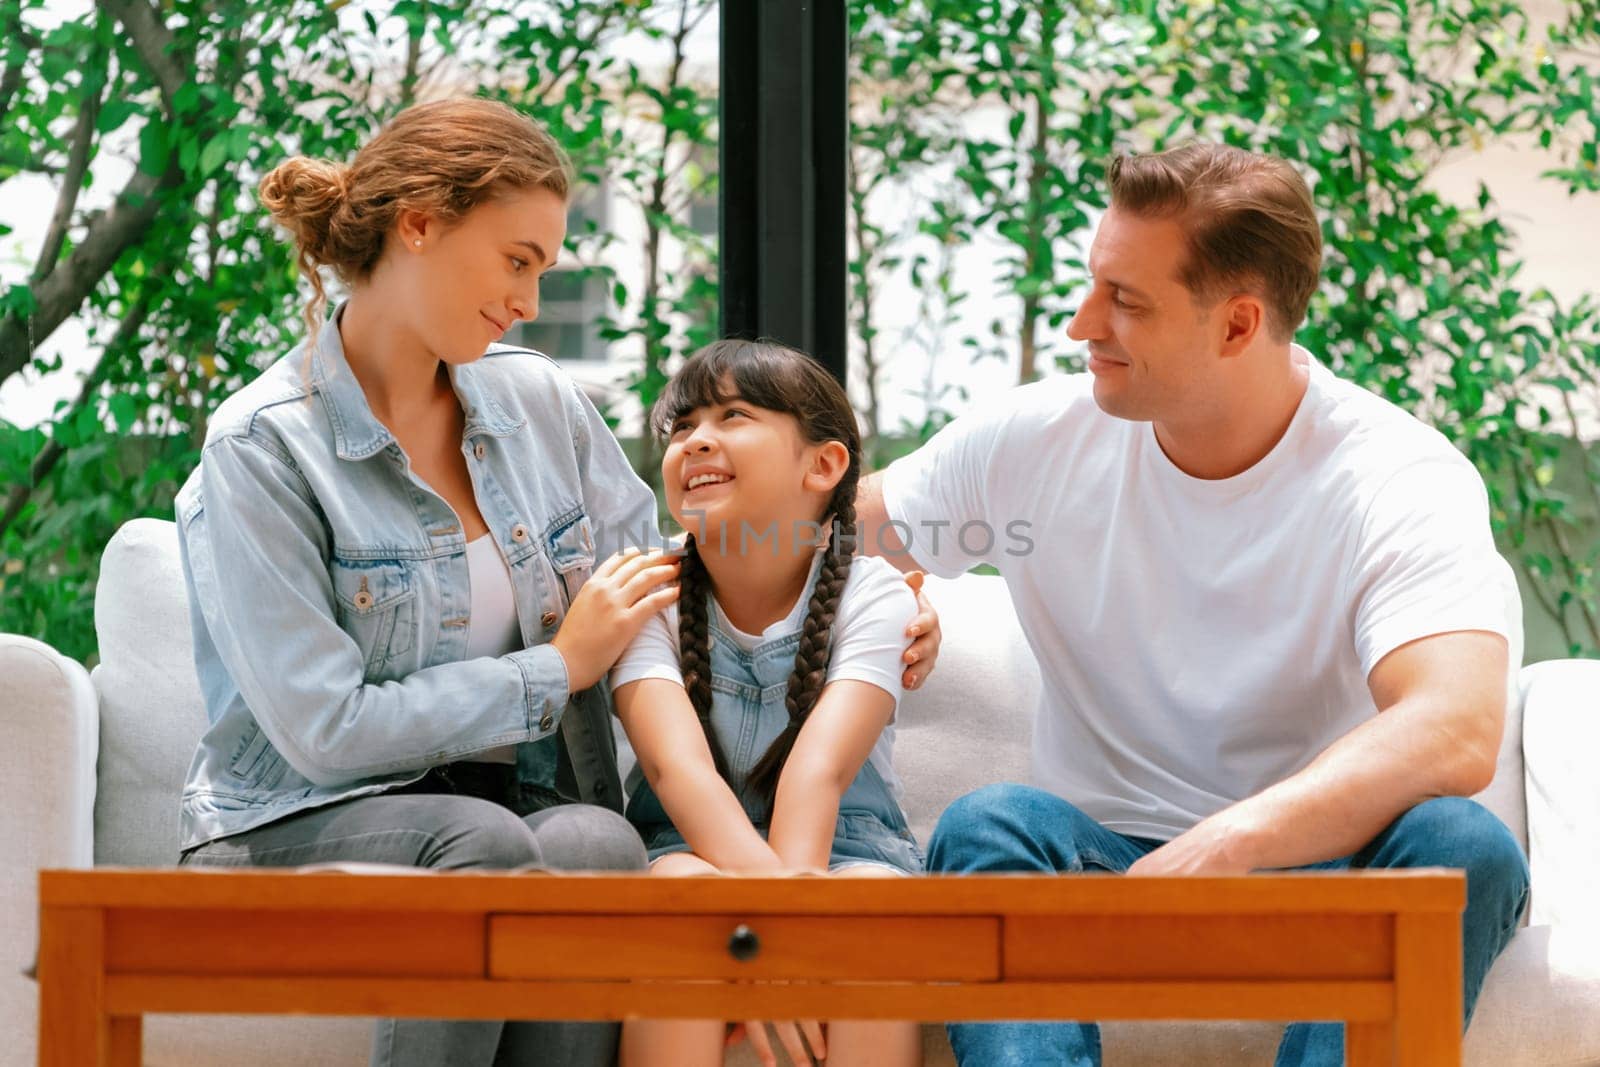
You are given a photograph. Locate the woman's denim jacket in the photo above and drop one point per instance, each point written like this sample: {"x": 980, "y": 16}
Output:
{"x": 329, "y": 598}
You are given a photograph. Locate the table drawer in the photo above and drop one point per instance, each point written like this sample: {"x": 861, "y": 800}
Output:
{"x": 938, "y": 948}
{"x": 1211, "y": 947}
{"x": 213, "y": 941}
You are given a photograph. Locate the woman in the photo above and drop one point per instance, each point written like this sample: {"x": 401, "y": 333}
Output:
{"x": 390, "y": 548}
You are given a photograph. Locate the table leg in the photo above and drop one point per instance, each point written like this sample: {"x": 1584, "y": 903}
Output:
{"x": 1428, "y": 989}
{"x": 1369, "y": 1044}
{"x": 73, "y": 1028}
{"x": 127, "y": 1041}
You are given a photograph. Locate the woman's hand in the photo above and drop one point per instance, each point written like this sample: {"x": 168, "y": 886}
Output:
{"x": 925, "y": 634}
{"x": 609, "y": 610}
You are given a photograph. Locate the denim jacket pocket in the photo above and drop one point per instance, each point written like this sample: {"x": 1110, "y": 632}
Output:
{"x": 376, "y": 606}
{"x": 570, "y": 549}
{"x": 255, "y": 762}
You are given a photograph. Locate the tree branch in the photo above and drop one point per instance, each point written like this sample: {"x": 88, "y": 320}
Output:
{"x": 64, "y": 289}
{"x": 10, "y": 82}
{"x": 1569, "y": 562}
{"x": 1547, "y": 604}
{"x": 408, "y": 80}
{"x": 11, "y": 77}
{"x": 51, "y": 453}
{"x": 867, "y": 246}
{"x": 154, "y": 43}
{"x": 1585, "y": 457}
{"x": 72, "y": 177}
{"x": 583, "y": 48}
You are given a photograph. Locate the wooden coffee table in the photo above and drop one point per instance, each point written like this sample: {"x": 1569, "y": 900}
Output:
{"x": 1381, "y": 950}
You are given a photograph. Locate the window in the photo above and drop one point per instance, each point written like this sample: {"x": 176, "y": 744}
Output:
{"x": 703, "y": 207}
{"x": 572, "y": 298}
{"x": 572, "y": 301}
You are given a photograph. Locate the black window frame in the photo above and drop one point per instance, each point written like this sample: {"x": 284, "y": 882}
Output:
{"x": 782, "y": 180}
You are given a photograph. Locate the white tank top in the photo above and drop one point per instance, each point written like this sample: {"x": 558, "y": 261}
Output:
{"x": 494, "y": 630}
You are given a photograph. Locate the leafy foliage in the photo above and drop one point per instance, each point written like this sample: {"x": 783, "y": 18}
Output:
{"x": 187, "y": 291}
{"x": 977, "y": 124}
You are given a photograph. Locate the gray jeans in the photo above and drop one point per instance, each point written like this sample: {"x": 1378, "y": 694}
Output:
{"x": 452, "y": 832}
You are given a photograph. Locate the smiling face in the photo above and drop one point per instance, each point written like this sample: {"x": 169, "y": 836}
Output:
{"x": 465, "y": 284}
{"x": 743, "y": 479}
{"x": 733, "y": 463}
{"x": 1152, "y": 347}
{"x": 756, "y": 435}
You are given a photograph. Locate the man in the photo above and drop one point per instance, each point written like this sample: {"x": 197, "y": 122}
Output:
{"x": 1266, "y": 604}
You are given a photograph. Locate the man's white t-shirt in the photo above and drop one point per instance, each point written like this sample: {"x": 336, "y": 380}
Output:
{"x": 1201, "y": 640}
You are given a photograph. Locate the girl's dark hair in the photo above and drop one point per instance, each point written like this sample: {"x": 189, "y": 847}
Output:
{"x": 771, "y": 376}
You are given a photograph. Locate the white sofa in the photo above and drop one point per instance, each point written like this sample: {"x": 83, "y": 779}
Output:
{"x": 91, "y": 765}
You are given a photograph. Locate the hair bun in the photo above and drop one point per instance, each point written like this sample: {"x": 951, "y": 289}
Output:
{"x": 302, "y": 194}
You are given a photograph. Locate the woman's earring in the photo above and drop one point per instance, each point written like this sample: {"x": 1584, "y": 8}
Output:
{"x": 417, "y": 242}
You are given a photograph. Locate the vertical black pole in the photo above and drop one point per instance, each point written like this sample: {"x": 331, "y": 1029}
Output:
{"x": 785, "y": 130}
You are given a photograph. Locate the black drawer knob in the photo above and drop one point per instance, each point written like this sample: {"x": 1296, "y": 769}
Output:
{"x": 744, "y": 944}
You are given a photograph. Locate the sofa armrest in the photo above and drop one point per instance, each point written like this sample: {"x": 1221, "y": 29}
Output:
{"x": 1560, "y": 742}
{"x": 50, "y": 721}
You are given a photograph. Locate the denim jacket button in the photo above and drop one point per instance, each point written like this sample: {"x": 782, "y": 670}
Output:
{"x": 519, "y": 532}
{"x": 548, "y": 619}
{"x": 478, "y": 450}
{"x": 547, "y": 722}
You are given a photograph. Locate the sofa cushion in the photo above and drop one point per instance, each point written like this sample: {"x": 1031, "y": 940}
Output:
{"x": 1541, "y": 1000}
{"x": 972, "y": 722}
{"x": 151, "y": 711}
{"x": 256, "y": 1041}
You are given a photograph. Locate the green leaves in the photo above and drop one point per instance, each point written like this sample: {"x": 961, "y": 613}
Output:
{"x": 981, "y": 130}
{"x": 18, "y": 300}
{"x": 125, "y": 410}
{"x": 155, "y": 148}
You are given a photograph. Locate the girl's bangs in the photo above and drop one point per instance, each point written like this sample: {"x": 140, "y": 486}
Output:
{"x": 756, "y": 373}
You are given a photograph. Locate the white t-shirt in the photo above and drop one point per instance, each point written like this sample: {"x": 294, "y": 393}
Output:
{"x": 868, "y": 639}
{"x": 493, "y": 630}
{"x": 1200, "y": 640}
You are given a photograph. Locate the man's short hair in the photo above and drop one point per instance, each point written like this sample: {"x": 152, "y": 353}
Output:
{"x": 1248, "y": 218}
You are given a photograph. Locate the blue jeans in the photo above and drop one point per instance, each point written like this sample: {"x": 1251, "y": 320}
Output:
{"x": 1018, "y": 828}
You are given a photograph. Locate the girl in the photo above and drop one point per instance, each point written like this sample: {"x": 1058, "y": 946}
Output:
{"x": 761, "y": 716}
{"x": 390, "y": 550}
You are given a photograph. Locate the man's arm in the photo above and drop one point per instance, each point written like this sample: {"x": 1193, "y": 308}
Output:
{"x": 876, "y": 536}
{"x": 1441, "y": 703}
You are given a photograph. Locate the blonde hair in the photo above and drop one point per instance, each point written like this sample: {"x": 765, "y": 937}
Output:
{"x": 442, "y": 158}
{"x": 1249, "y": 221}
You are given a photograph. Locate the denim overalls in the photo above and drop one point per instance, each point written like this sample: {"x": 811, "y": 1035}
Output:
{"x": 747, "y": 714}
